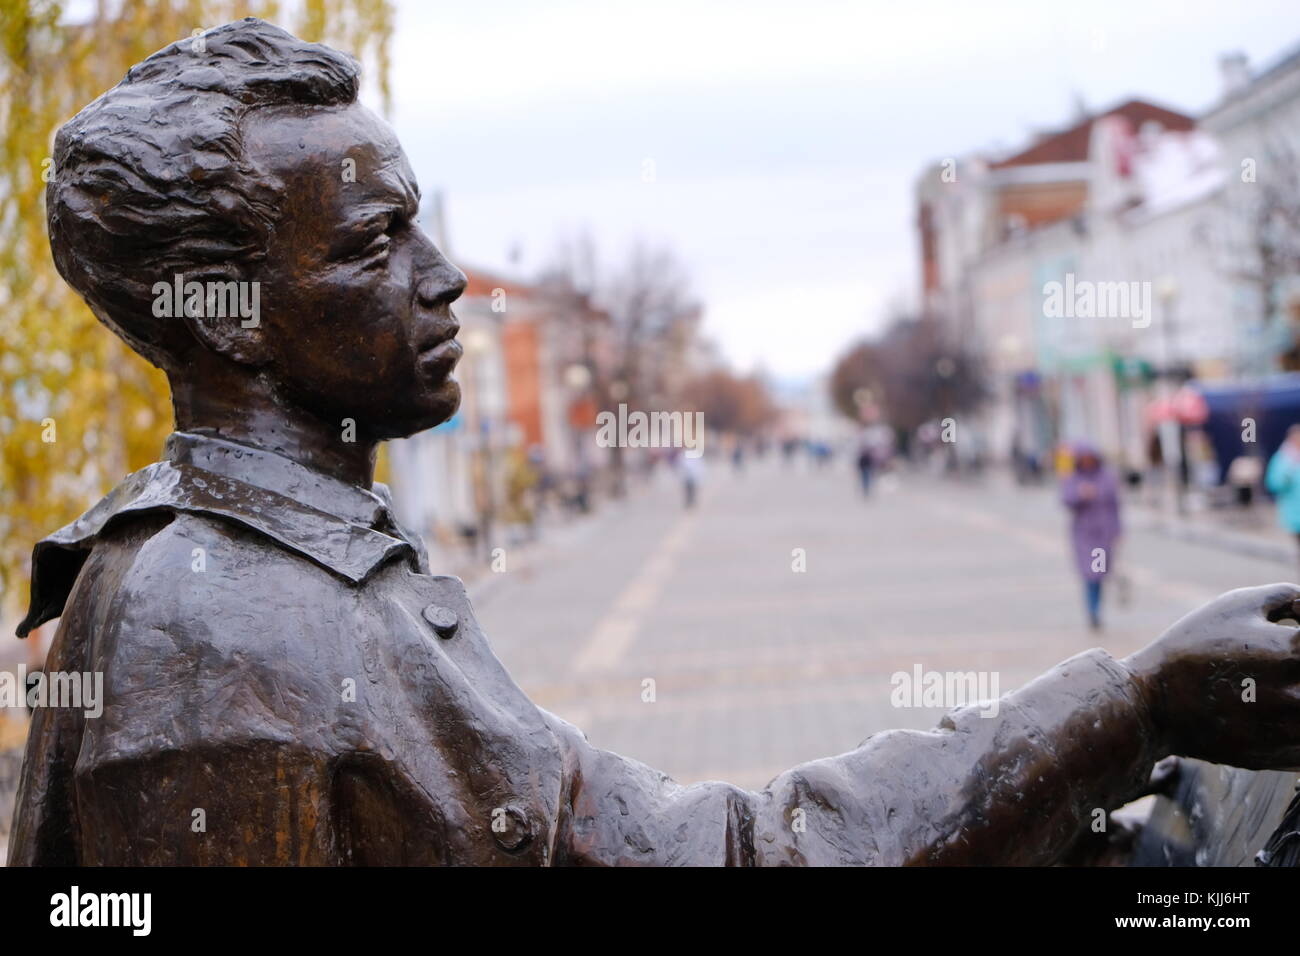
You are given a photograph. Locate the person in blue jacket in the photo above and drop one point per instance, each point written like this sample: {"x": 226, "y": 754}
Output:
{"x": 1283, "y": 481}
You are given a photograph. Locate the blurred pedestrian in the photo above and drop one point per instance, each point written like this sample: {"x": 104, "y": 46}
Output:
{"x": 875, "y": 449}
{"x": 789, "y": 448}
{"x": 1091, "y": 493}
{"x": 1283, "y": 480}
{"x": 692, "y": 471}
{"x": 1063, "y": 459}
{"x": 866, "y": 460}
{"x": 1243, "y": 475}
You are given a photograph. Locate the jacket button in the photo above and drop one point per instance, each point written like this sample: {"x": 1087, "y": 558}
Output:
{"x": 511, "y": 829}
{"x": 444, "y": 620}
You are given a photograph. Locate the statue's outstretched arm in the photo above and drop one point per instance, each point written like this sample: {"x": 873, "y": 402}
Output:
{"x": 1014, "y": 787}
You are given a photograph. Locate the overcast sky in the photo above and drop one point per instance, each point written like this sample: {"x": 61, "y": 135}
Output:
{"x": 785, "y": 137}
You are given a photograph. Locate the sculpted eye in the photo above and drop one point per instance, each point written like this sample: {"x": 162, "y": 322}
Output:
{"x": 376, "y": 249}
{"x": 369, "y": 244}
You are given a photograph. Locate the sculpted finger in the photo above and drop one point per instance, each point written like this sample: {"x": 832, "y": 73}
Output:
{"x": 1274, "y": 601}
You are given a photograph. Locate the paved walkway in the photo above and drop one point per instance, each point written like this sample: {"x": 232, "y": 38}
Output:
{"x": 756, "y": 666}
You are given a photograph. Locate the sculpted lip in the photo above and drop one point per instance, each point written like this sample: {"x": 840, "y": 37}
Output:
{"x": 446, "y": 353}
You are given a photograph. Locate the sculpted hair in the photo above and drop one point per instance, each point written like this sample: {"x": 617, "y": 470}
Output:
{"x": 151, "y": 180}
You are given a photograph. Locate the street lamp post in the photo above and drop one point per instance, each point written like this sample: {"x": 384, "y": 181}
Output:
{"x": 1167, "y": 290}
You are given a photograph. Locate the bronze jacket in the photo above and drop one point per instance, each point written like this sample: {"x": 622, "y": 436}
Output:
{"x": 286, "y": 683}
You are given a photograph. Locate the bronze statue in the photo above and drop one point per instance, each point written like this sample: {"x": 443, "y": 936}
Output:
{"x": 281, "y": 666}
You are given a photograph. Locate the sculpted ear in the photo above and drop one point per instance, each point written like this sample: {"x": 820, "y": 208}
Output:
{"x": 223, "y": 314}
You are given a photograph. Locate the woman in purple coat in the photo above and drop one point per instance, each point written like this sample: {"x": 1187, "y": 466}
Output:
{"x": 1092, "y": 495}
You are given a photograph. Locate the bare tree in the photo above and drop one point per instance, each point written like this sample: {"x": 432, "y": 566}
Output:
{"x": 912, "y": 373}
{"x": 1260, "y": 240}
{"x": 652, "y": 325}
{"x": 730, "y": 403}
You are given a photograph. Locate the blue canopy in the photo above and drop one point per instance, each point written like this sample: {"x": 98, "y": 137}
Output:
{"x": 1273, "y": 403}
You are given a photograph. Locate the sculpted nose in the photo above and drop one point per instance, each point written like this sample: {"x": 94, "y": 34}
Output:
{"x": 442, "y": 286}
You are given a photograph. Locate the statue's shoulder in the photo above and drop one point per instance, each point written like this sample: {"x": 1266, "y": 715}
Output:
{"x": 57, "y": 559}
{"x": 179, "y": 563}
{"x": 173, "y": 533}
{"x": 201, "y": 642}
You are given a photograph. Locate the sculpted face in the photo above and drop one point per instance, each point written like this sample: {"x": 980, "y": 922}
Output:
{"x": 355, "y": 299}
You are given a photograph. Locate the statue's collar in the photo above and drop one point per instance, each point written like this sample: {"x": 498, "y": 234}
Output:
{"x": 274, "y": 472}
{"x": 349, "y": 530}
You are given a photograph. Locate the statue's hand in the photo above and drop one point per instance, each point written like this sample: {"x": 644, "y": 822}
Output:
{"x": 1224, "y": 682}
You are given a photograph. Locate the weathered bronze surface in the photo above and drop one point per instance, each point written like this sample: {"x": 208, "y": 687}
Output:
{"x": 315, "y": 691}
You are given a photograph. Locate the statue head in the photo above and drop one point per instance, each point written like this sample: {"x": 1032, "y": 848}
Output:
{"x": 240, "y": 220}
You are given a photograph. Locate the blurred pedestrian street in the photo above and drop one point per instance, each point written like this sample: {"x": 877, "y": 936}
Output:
{"x": 757, "y": 667}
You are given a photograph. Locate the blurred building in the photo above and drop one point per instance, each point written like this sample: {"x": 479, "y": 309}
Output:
{"x": 1257, "y": 125}
{"x": 525, "y": 378}
{"x": 807, "y": 413}
{"x": 1132, "y": 203}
